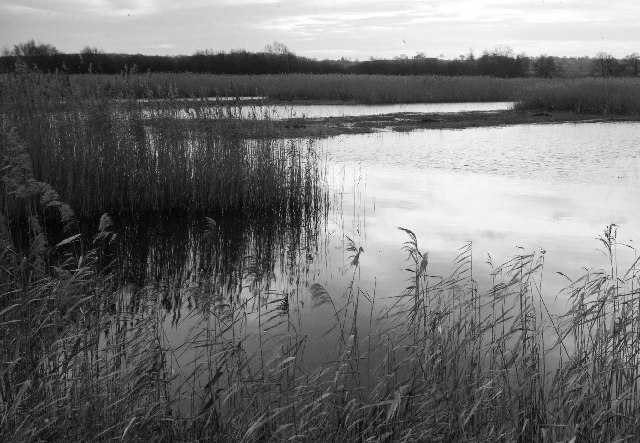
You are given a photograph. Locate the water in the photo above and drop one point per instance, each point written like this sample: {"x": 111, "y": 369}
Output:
{"x": 356, "y": 110}
{"x": 282, "y": 112}
{"x": 507, "y": 190}
{"x": 550, "y": 187}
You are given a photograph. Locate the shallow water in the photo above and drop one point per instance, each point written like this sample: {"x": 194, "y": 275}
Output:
{"x": 282, "y": 112}
{"x": 507, "y": 190}
{"x": 553, "y": 187}
{"x": 323, "y": 111}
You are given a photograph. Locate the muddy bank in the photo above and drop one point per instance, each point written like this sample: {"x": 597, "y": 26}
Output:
{"x": 323, "y": 127}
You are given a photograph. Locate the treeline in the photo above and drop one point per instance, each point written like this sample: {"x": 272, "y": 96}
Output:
{"x": 255, "y": 63}
{"x": 277, "y": 59}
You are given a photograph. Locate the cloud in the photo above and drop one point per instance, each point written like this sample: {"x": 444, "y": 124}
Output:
{"x": 360, "y": 27}
{"x": 13, "y": 9}
{"x": 312, "y": 24}
{"x": 85, "y": 8}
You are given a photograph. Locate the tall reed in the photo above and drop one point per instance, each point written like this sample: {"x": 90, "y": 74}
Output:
{"x": 586, "y": 95}
{"x": 117, "y": 156}
{"x": 357, "y": 88}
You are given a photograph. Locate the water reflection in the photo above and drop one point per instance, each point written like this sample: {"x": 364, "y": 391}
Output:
{"x": 207, "y": 110}
{"x": 225, "y": 256}
{"x": 550, "y": 187}
{"x": 505, "y": 190}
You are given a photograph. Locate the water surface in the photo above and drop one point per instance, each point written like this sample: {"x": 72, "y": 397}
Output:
{"x": 283, "y": 112}
{"x": 507, "y": 190}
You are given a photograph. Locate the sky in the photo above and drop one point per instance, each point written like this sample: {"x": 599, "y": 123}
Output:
{"x": 355, "y": 29}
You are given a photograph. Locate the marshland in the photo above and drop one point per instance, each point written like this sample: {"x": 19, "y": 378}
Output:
{"x": 180, "y": 267}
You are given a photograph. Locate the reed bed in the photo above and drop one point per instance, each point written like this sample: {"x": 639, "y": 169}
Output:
{"x": 119, "y": 156}
{"x": 86, "y": 360}
{"x": 357, "y": 88}
{"x": 586, "y": 95}
{"x": 583, "y": 95}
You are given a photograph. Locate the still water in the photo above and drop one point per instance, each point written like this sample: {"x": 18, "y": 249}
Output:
{"x": 507, "y": 190}
{"x": 281, "y": 112}
{"x": 553, "y": 187}
{"x": 355, "y": 110}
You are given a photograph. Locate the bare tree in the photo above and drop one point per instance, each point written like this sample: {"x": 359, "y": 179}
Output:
{"x": 605, "y": 65}
{"x": 632, "y": 64}
{"x": 277, "y": 48}
{"x": 544, "y": 66}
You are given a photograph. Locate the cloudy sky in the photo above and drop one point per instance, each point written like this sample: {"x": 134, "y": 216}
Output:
{"x": 356, "y": 29}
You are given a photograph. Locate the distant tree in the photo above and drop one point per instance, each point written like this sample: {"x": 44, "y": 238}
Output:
{"x": 605, "y": 65}
{"x": 502, "y": 51}
{"x": 277, "y": 48}
{"x": 501, "y": 62}
{"x": 31, "y": 48}
{"x": 632, "y": 64}
{"x": 544, "y": 66}
{"x": 280, "y": 52}
{"x": 92, "y": 59}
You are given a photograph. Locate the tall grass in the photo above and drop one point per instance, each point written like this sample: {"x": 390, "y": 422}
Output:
{"x": 85, "y": 358}
{"x": 587, "y": 95}
{"x": 357, "y": 88}
{"x": 117, "y": 156}
{"x": 442, "y": 360}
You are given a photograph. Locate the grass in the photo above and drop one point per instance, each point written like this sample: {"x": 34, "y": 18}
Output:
{"x": 120, "y": 157}
{"x": 86, "y": 358}
{"x": 585, "y": 95}
{"x": 616, "y": 96}
{"x": 588, "y": 95}
{"x": 358, "y": 88}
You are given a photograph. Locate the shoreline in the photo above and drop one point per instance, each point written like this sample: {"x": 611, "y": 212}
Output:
{"x": 411, "y": 121}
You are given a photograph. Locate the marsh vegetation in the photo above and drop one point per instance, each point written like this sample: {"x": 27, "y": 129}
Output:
{"x": 90, "y": 295}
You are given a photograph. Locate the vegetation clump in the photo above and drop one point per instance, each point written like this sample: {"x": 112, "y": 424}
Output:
{"x": 615, "y": 96}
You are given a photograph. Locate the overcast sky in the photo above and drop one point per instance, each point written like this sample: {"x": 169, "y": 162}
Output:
{"x": 328, "y": 28}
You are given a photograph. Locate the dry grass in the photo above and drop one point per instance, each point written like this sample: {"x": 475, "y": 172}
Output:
{"x": 357, "y": 88}
{"x": 121, "y": 157}
{"x": 587, "y": 95}
{"x": 85, "y": 359}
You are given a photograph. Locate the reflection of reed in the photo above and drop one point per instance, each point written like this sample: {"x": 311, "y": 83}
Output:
{"x": 221, "y": 256}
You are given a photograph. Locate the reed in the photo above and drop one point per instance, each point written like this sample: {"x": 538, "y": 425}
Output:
{"x": 121, "y": 157}
{"x": 356, "y": 88}
{"x": 87, "y": 358}
{"x": 585, "y": 95}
